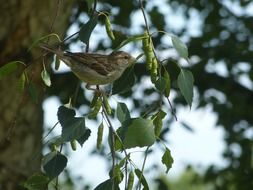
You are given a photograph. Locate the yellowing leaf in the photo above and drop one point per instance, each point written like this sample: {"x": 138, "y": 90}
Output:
{"x": 21, "y": 82}
{"x": 46, "y": 77}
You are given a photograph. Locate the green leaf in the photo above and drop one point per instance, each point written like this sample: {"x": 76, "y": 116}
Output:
{"x": 168, "y": 86}
{"x": 141, "y": 177}
{"x": 180, "y": 47}
{"x": 87, "y": 29}
{"x": 75, "y": 129}
{"x": 128, "y": 40}
{"x": 37, "y": 181}
{"x": 158, "y": 122}
{"x": 46, "y": 77}
{"x": 64, "y": 114}
{"x": 160, "y": 84}
{"x": 137, "y": 132}
{"x": 125, "y": 82}
{"x": 9, "y": 68}
{"x": 167, "y": 159}
{"x": 84, "y": 137}
{"x": 72, "y": 127}
{"x": 21, "y": 82}
{"x": 89, "y": 3}
{"x": 185, "y": 83}
{"x": 107, "y": 185}
{"x": 116, "y": 174}
{"x": 122, "y": 111}
{"x": 54, "y": 163}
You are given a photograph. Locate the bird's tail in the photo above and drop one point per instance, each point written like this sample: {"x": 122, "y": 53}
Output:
{"x": 52, "y": 49}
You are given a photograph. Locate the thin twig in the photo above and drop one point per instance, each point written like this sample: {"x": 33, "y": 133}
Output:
{"x": 172, "y": 109}
{"x": 126, "y": 175}
{"x": 144, "y": 16}
{"x": 143, "y": 166}
{"x": 50, "y": 131}
{"x": 71, "y": 36}
{"x": 55, "y": 16}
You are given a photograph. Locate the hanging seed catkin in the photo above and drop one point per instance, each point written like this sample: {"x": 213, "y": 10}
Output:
{"x": 100, "y": 135}
{"x": 130, "y": 182}
{"x": 94, "y": 100}
{"x": 107, "y": 105}
{"x": 154, "y": 69}
{"x": 148, "y": 51}
{"x": 108, "y": 28}
{"x": 73, "y": 144}
{"x": 96, "y": 109}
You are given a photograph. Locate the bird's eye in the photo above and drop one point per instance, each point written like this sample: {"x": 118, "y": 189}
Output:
{"x": 125, "y": 57}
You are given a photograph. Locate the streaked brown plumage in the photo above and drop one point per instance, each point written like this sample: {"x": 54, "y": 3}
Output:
{"x": 92, "y": 68}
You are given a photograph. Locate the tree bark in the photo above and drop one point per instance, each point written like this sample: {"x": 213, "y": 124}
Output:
{"x": 21, "y": 118}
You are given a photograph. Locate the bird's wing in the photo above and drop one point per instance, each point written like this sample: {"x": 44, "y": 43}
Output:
{"x": 97, "y": 62}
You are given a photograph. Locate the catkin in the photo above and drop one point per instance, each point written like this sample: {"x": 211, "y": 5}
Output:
{"x": 109, "y": 28}
{"x": 107, "y": 105}
{"x": 96, "y": 109}
{"x": 148, "y": 51}
{"x": 73, "y": 144}
{"x": 100, "y": 135}
{"x": 94, "y": 99}
{"x": 154, "y": 69}
{"x": 130, "y": 182}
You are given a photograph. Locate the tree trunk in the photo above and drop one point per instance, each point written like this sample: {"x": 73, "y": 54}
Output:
{"x": 21, "y": 118}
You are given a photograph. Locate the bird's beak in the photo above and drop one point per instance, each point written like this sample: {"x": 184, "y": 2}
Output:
{"x": 132, "y": 61}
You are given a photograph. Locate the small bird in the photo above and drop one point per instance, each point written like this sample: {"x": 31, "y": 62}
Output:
{"x": 93, "y": 68}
